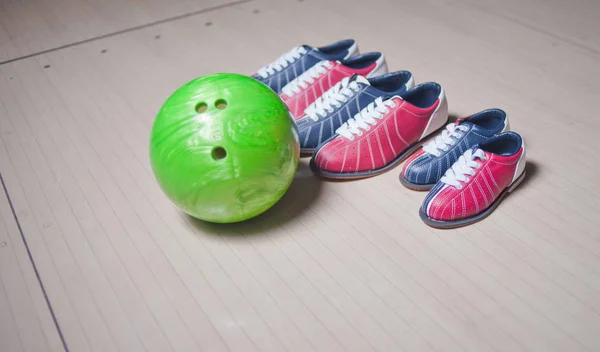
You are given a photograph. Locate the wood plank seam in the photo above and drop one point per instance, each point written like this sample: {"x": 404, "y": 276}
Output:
{"x": 127, "y": 30}
{"x": 37, "y": 275}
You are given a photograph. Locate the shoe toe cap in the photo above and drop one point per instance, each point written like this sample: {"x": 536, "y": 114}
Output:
{"x": 421, "y": 168}
{"x": 307, "y": 133}
{"x": 330, "y": 157}
{"x": 439, "y": 205}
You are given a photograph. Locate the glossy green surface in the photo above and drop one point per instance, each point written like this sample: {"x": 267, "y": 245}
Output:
{"x": 232, "y": 160}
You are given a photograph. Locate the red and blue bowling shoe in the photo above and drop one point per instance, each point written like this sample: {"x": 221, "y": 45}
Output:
{"x": 323, "y": 117}
{"x": 425, "y": 168}
{"x": 309, "y": 86}
{"x": 298, "y": 60}
{"x": 476, "y": 183}
{"x": 382, "y": 134}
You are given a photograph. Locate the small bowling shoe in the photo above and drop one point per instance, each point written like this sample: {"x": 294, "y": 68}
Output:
{"x": 301, "y": 58}
{"x": 309, "y": 86}
{"x": 382, "y": 134}
{"x": 476, "y": 183}
{"x": 323, "y": 117}
{"x": 424, "y": 168}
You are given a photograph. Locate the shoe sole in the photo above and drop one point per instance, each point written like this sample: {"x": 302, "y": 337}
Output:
{"x": 446, "y": 225}
{"x": 415, "y": 186}
{"x": 366, "y": 174}
{"x": 306, "y": 152}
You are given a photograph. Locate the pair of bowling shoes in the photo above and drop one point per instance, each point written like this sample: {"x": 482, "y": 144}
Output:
{"x": 467, "y": 169}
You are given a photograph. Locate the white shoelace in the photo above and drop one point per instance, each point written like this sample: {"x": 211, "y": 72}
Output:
{"x": 444, "y": 141}
{"x": 282, "y": 62}
{"x": 306, "y": 78}
{"x": 334, "y": 97}
{"x": 465, "y": 166}
{"x": 366, "y": 118}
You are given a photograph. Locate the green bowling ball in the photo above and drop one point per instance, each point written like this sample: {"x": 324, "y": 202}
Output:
{"x": 224, "y": 148}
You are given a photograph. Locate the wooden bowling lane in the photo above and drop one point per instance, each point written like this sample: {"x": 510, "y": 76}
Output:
{"x": 93, "y": 257}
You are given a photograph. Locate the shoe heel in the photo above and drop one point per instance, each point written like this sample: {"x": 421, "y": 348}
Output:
{"x": 439, "y": 118}
{"x": 517, "y": 182}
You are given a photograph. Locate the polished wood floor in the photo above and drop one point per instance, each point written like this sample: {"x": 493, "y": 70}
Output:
{"x": 93, "y": 257}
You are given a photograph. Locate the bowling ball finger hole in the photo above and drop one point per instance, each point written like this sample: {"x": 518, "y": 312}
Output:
{"x": 221, "y": 104}
{"x": 201, "y": 107}
{"x": 219, "y": 153}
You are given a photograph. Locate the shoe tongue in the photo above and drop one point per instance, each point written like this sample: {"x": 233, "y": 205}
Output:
{"x": 475, "y": 148}
{"x": 360, "y": 79}
{"x": 463, "y": 122}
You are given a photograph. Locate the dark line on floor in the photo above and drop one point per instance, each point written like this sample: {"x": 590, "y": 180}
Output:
{"x": 37, "y": 274}
{"x": 104, "y": 36}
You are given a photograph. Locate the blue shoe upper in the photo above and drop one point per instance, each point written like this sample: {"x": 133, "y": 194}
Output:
{"x": 345, "y": 100}
{"x": 440, "y": 153}
{"x": 298, "y": 60}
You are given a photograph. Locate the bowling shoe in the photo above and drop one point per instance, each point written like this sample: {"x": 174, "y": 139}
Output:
{"x": 382, "y": 134}
{"x": 476, "y": 183}
{"x": 309, "y": 86}
{"x": 343, "y": 101}
{"x": 425, "y": 167}
{"x": 301, "y": 58}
